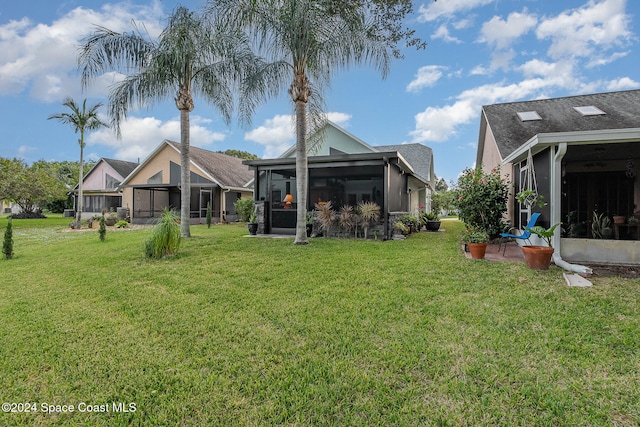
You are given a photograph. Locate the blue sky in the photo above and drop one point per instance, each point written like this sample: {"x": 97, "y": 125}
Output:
{"x": 479, "y": 52}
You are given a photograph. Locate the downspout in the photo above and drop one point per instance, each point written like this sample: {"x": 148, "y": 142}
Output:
{"x": 555, "y": 208}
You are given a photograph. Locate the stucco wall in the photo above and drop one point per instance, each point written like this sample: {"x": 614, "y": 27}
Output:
{"x": 600, "y": 251}
{"x": 97, "y": 179}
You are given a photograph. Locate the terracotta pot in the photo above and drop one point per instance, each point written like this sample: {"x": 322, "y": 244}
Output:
{"x": 618, "y": 219}
{"x": 477, "y": 250}
{"x": 537, "y": 257}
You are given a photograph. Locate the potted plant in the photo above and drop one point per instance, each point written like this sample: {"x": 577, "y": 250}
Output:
{"x": 530, "y": 198}
{"x": 430, "y": 221}
{"x": 311, "y": 217}
{"x": 252, "y": 224}
{"x": 601, "y": 226}
{"x": 476, "y": 240}
{"x": 539, "y": 257}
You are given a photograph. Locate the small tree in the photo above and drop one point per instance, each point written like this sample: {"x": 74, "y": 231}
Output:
{"x": 103, "y": 229}
{"x": 208, "y": 214}
{"x": 370, "y": 213}
{"x": 7, "y": 245}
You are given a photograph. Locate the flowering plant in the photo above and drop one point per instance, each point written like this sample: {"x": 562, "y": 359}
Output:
{"x": 481, "y": 199}
{"x": 473, "y": 234}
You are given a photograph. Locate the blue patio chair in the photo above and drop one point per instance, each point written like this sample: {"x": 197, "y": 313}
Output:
{"x": 525, "y": 234}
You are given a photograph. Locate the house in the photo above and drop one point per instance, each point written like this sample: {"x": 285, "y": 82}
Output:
{"x": 582, "y": 154}
{"x": 100, "y": 186}
{"x": 216, "y": 178}
{"x": 346, "y": 171}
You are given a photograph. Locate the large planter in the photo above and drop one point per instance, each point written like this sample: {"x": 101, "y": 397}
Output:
{"x": 432, "y": 225}
{"x": 537, "y": 257}
{"x": 253, "y": 228}
{"x": 477, "y": 250}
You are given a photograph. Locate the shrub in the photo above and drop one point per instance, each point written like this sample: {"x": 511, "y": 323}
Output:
{"x": 481, "y": 199}
{"x": 347, "y": 219}
{"x": 103, "y": 229}
{"x": 325, "y": 216}
{"x": 7, "y": 244}
{"x": 244, "y": 209}
{"x": 122, "y": 224}
{"x": 208, "y": 214}
{"x": 369, "y": 213}
{"x": 165, "y": 236}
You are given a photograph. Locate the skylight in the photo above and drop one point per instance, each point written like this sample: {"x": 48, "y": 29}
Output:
{"x": 529, "y": 116}
{"x": 589, "y": 110}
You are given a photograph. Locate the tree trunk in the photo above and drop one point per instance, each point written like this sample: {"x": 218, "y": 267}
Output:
{"x": 185, "y": 176}
{"x": 184, "y": 102}
{"x": 80, "y": 176}
{"x": 300, "y": 92}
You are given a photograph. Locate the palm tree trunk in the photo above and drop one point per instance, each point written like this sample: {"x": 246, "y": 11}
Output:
{"x": 185, "y": 176}
{"x": 302, "y": 173}
{"x": 80, "y": 176}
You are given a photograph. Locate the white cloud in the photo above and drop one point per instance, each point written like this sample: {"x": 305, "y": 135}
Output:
{"x": 623, "y": 84}
{"x": 437, "y": 124}
{"x": 480, "y": 70}
{"x": 447, "y": 8}
{"x": 586, "y": 31}
{"x": 425, "y": 77}
{"x": 443, "y": 33}
{"x": 41, "y": 58}
{"x": 140, "y": 135}
{"x": 341, "y": 119}
{"x": 502, "y": 34}
{"x": 276, "y": 135}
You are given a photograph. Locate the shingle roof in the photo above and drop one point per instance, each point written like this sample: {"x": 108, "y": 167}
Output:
{"x": 419, "y": 156}
{"x": 558, "y": 115}
{"x": 227, "y": 170}
{"x": 123, "y": 167}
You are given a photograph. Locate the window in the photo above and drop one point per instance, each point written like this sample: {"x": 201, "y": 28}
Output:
{"x": 589, "y": 110}
{"x": 155, "y": 179}
{"x": 111, "y": 182}
{"x": 529, "y": 116}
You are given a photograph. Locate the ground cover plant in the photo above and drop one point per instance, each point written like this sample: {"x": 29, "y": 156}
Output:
{"x": 253, "y": 331}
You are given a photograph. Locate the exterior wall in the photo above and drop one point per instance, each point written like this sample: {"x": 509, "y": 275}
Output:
{"x": 97, "y": 179}
{"x": 597, "y": 251}
{"x": 160, "y": 162}
{"x": 490, "y": 154}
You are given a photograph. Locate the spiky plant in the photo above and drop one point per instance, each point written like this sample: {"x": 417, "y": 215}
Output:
{"x": 346, "y": 218}
{"x": 369, "y": 214}
{"x": 326, "y": 216}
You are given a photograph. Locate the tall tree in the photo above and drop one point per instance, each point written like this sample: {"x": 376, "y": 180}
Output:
{"x": 304, "y": 43}
{"x": 82, "y": 120}
{"x": 192, "y": 57}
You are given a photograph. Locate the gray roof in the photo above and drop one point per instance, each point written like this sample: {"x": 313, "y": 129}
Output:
{"x": 558, "y": 115}
{"x": 419, "y": 156}
{"x": 123, "y": 167}
{"x": 227, "y": 170}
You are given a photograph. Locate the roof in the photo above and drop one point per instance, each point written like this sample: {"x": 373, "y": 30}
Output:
{"x": 227, "y": 171}
{"x": 558, "y": 115}
{"x": 123, "y": 167}
{"x": 419, "y": 156}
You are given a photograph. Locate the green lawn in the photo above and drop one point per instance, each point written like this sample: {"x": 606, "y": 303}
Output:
{"x": 250, "y": 331}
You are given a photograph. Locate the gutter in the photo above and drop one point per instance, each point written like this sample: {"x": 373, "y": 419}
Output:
{"x": 556, "y": 176}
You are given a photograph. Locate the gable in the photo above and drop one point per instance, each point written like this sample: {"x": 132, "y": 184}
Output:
{"x": 336, "y": 140}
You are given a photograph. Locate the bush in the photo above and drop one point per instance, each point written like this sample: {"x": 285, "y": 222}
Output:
{"x": 7, "y": 245}
{"x": 28, "y": 215}
{"x": 244, "y": 209}
{"x": 165, "y": 236}
{"x": 122, "y": 224}
{"x": 481, "y": 199}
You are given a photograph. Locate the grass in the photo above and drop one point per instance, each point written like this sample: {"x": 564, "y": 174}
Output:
{"x": 250, "y": 331}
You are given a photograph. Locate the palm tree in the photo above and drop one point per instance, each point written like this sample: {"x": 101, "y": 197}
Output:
{"x": 82, "y": 120}
{"x": 192, "y": 57}
{"x": 305, "y": 42}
